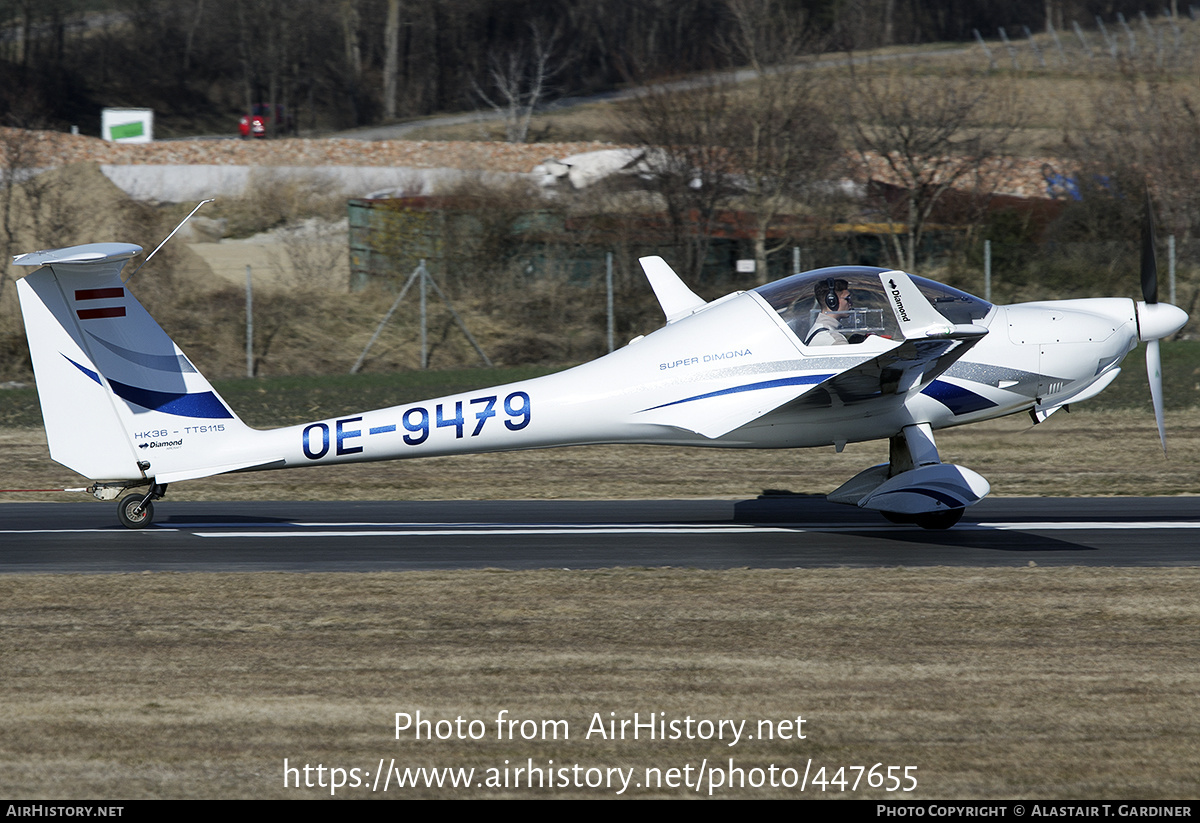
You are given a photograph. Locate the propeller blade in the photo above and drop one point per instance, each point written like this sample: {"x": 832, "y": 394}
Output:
{"x": 1154, "y": 374}
{"x": 1149, "y": 264}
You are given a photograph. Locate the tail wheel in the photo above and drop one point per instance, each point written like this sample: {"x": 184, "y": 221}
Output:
{"x": 133, "y": 513}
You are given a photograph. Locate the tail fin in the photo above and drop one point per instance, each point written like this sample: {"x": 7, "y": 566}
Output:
{"x": 676, "y": 299}
{"x": 120, "y": 401}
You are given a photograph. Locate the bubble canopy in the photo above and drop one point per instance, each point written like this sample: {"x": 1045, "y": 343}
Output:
{"x": 799, "y": 301}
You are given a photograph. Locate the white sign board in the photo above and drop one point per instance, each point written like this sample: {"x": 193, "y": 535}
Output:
{"x": 127, "y": 125}
{"x": 745, "y": 267}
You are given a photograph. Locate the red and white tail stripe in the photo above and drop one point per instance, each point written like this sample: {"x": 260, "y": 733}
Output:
{"x": 82, "y": 295}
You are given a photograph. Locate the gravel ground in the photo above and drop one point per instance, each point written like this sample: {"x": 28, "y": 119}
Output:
{"x": 43, "y": 149}
{"x": 48, "y": 149}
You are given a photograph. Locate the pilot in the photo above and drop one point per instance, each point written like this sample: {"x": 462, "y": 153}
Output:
{"x": 833, "y": 296}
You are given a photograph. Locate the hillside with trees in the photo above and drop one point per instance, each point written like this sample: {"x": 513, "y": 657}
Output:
{"x": 911, "y": 157}
{"x": 336, "y": 65}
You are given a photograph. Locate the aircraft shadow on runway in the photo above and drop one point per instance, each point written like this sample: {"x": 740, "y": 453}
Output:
{"x": 813, "y": 511}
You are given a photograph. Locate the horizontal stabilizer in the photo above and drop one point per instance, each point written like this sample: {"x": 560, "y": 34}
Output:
{"x": 93, "y": 258}
{"x": 676, "y": 299}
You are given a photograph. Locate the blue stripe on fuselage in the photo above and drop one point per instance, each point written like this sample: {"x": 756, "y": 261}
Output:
{"x": 800, "y": 380}
{"x": 956, "y": 398}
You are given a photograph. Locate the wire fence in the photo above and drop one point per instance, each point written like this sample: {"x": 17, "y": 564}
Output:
{"x": 1165, "y": 41}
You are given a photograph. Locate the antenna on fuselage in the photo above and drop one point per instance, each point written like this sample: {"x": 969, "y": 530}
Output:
{"x": 168, "y": 237}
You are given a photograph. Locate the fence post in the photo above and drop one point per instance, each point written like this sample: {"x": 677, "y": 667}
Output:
{"x": 1112, "y": 44}
{"x": 608, "y": 287}
{"x": 1082, "y": 39}
{"x": 1012, "y": 53}
{"x": 1037, "y": 51}
{"x": 424, "y": 320}
{"x": 1062, "y": 55}
{"x": 987, "y": 270}
{"x": 1129, "y": 35}
{"x": 987, "y": 52}
{"x": 1171, "y": 266}
{"x": 249, "y": 324}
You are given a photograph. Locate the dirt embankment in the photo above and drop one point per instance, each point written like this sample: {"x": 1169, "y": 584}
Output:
{"x": 41, "y": 149}
{"x": 1022, "y": 177}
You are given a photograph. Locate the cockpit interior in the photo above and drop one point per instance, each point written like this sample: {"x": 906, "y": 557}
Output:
{"x": 850, "y": 303}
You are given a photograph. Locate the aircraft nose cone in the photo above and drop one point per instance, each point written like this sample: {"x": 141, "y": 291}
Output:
{"x": 1159, "y": 320}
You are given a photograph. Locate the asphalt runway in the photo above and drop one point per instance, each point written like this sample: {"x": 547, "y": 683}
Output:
{"x": 768, "y": 532}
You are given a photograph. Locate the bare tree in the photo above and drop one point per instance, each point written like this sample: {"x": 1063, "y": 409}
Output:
{"x": 520, "y": 80}
{"x": 277, "y": 46}
{"x": 18, "y": 164}
{"x": 50, "y": 211}
{"x": 919, "y": 136}
{"x": 865, "y": 24}
{"x": 191, "y": 25}
{"x": 783, "y": 144}
{"x": 688, "y": 163}
{"x": 391, "y": 63}
{"x": 761, "y": 145}
{"x": 1147, "y": 133}
{"x": 317, "y": 251}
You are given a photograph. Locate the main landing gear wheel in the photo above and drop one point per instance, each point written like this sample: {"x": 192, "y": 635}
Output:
{"x": 136, "y": 510}
{"x": 928, "y": 520}
{"x": 135, "y": 514}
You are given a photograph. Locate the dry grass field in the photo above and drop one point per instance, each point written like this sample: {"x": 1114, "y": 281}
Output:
{"x": 1019, "y": 683}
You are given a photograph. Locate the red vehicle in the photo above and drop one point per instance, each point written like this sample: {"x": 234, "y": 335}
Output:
{"x": 255, "y": 123}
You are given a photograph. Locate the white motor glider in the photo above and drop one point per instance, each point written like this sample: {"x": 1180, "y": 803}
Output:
{"x": 825, "y": 357}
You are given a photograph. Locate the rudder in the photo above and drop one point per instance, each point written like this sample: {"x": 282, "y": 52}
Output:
{"x": 120, "y": 401}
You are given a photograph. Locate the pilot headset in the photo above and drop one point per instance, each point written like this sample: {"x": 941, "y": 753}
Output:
{"x": 831, "y": 296}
